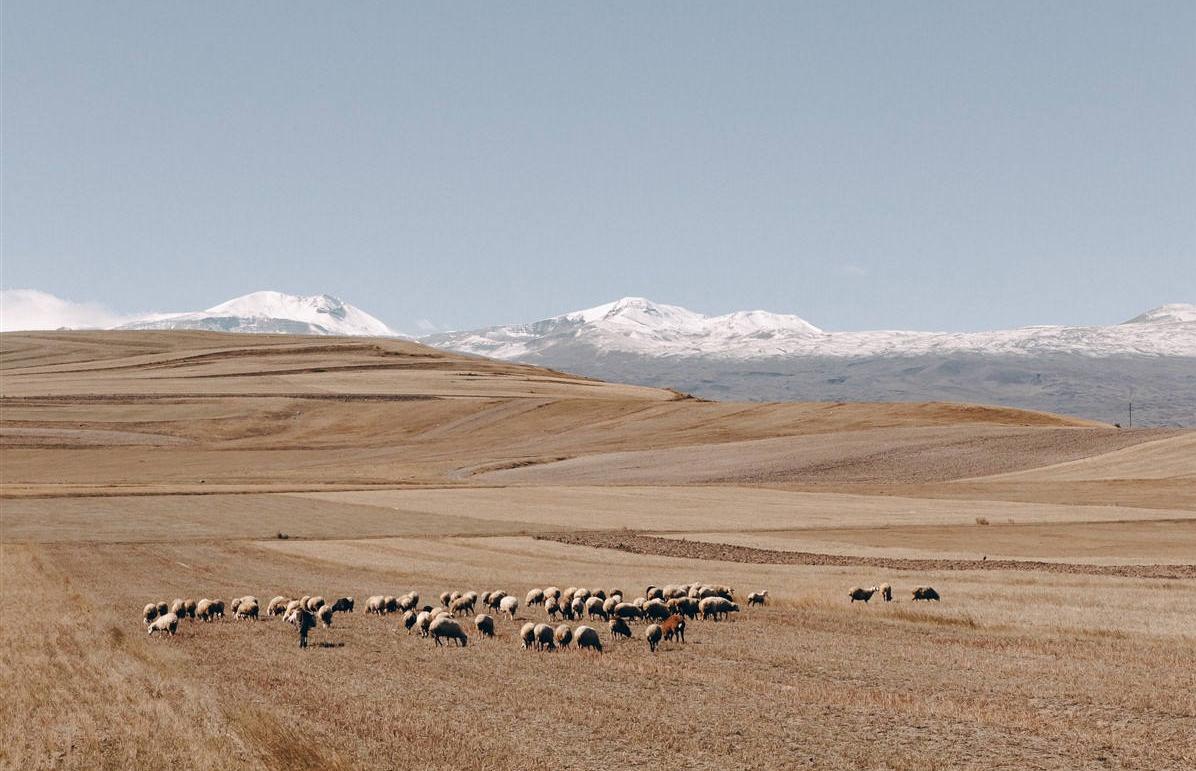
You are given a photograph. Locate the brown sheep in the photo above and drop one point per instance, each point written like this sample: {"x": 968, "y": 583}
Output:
{"x": 673, "y": 626}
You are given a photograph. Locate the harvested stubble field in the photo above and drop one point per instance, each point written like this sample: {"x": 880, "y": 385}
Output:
{"x": 147, "y": 466}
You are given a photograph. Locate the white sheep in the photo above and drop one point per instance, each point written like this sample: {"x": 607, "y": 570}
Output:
{"x": 757, "y": 598}
{"x": 563, "y": 635}
{"x": 485, "y": 625}
{"x": 375, "y": 604}
{"x": 587, "y": 637}
{"x": 544, "y": 636}
{"x": 534, "y": 597}
{"x": 150, "y": 613}
{"x": 509, "y": 605}
{"x": 716, "y": 606}
{"x": 447, "y": 626}
{"x": 595, "y": 608}
{"x": 168, "y": 622}
{"x": 619, "y": 628}
{"x": 324, "y": 614}
{"x": 653, "y": 634}
{"x": 527, "y": 635}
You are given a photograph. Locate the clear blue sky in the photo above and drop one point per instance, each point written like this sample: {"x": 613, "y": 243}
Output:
{"x": 946, "y": 165}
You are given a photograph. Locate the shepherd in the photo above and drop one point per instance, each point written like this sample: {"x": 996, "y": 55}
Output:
{"x": 305, "y": 622}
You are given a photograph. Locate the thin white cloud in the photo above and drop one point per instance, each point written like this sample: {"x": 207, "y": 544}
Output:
{"x": 854, "y": 270}
{"x": 29, "y": 309}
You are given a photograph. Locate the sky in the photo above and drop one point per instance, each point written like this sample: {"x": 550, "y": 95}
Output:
{"x": 954, "y": 166}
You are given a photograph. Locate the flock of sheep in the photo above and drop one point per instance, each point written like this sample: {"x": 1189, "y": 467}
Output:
{"x": 664, "y": 609}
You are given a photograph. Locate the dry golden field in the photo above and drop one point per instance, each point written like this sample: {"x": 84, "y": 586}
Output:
{"x": 136, "y": 467}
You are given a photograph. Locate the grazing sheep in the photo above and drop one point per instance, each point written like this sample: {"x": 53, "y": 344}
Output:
{"x": 626, "y": 610}
{"x": 563, "y": 635}
{"x": 551, "y": 607}
{"x": 578, "y": 607}
{"x": 324, "y": 614}
{"x": 343, "y": 605}
{"x": 189, "y": 607}
{"x": 862, "y": 595}
{"x": 446, "y": 598}
{"x": 168, "y": 622}
{"x": 544, "y": 637}
{"x": 673, "y": 626}
{"x": 203, "y": 610}
{"x": 656, "y": 609}
{"x": 375, "y": 604}
{"x": 587, "y": 637}
{"x": 150, "y": 612}
{"x": 527, "y": 635}
{"x": 757, "y": 598}
{"x": 496, "y": 599}
{"x": 581, "y": 594}
{"x": 462, "y": 605}
{"x": 652, "y": 634}
{"x": 654, "y": 593}
{"x": 485, "y": 625}
{"x": 247, "y": 609}
{"x": 409, "y": 617}
{"x": 619, "y": 628}
{"x": 178, "y": 607}
{"x": 163, "y": 608}
{"x": 615, "y": 593}
{"x": 390, "y": 603}
{"x": 595, "y": 608}
{"x": 608, "y": 605}
{"x": 408, "y": 601}
{"x": 685, "y": 605}
{"x": 276, "y": 606}
{"x": 886, "y": 592}
{"x": 926, "y": 593}
{"x": 509, "y": 605}
{"x": 534, "y": 597}
{"x": 599, "y": 594}
{"x": 447, "y": 626}
{"x": 422, "y": 621}
{"x": 717, "y": 606}
{"x": 552, "y": 591}
{"x": 217, "y": 608}
{"x": 234, "y": 604}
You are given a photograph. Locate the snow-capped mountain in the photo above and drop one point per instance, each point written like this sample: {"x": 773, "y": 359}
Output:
{"x": 639, "y": 326}
{"x": 276, "y": 313}
{"x": 1091, "y": 371}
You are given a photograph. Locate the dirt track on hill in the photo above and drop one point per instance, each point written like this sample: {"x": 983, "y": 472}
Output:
{"x": 636, "y": 543}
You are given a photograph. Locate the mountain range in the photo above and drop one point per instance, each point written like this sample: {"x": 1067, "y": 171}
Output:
{"x": 1087, "y": 371}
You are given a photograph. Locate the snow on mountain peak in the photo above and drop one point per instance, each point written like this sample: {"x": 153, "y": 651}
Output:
{"x": 275, "y": 312}
{"x": 1170, "y": 313}
{"x": 635, "y": 325}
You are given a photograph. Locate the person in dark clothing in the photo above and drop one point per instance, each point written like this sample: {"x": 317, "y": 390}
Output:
{"x": 305, "y": 622}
